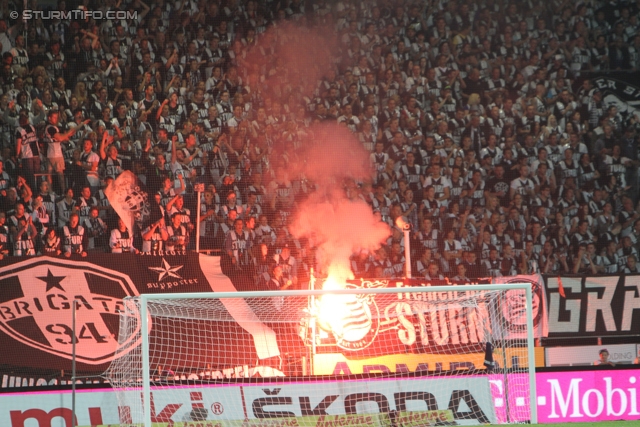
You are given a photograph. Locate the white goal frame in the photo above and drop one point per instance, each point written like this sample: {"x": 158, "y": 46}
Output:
{"x": 144, "y": 323}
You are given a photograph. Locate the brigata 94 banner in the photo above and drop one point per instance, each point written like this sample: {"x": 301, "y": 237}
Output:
{"x": 36, "y": 310}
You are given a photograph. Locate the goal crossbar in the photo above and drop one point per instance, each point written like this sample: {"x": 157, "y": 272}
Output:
{"x": 320, "y": 292}
{"x": 144, "y": 299}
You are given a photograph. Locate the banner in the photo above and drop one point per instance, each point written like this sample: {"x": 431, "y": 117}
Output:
{"x": 595, "y": 306}
{"x": 387, "y": 324}
{"x": 38, "y": 293}
{"x": 339, "y": 364}
{"x": 620, "y": 90}
{"x": 576, "y": 396}
{"x": 131, "y": 202}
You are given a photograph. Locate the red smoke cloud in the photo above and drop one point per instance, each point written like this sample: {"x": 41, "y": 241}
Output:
{"x": 338, "y": 225}
{"x": 294, "y": 59}
{"x": 291, "y": 59}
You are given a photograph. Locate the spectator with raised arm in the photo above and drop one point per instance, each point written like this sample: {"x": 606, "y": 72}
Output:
{"x": 54, "y": 138}
{"x": 89, "y": 161}
{"x": 155, "y": 236}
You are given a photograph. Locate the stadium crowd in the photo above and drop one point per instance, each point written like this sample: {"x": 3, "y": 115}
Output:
{"x": 483, "y": 126}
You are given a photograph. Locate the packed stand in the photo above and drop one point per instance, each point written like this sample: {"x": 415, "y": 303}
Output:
{"x": 482, "y": 124}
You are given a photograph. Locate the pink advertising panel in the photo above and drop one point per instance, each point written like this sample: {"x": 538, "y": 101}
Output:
{"x": 588, "y": 395}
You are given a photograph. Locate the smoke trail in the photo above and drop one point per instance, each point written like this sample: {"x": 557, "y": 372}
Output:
{"x": 338, "y": 224}
{"x": 294, "y": 59}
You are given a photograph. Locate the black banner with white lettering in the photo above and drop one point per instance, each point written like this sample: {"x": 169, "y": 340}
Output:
{"x": 593, "y": 306}
{"x": 619, "y": 89}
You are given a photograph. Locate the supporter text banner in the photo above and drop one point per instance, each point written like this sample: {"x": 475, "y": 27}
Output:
{"x": 593, "y": 306}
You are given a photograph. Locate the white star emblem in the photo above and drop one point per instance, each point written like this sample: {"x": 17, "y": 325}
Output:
{"x": 166, "y": 270}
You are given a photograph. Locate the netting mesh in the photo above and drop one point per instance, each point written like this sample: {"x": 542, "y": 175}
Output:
{"x": 411, "y": 355}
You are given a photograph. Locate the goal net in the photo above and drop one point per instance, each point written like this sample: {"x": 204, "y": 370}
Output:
{"x": 367, "y": 355}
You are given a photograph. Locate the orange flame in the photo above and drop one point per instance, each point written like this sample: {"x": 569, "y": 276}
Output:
{"x": 332, "y": 307}
{"x": 338, "y": 275}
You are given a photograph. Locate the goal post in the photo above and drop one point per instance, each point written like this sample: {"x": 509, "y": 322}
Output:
{"x": 253, "y": 358}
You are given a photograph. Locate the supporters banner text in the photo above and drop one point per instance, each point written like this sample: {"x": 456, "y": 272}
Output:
{"x": 594, "y": 306}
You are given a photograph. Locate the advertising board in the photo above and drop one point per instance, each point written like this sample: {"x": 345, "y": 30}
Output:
{"x": 577, "y": 396}
{"x": 465, "y": 398}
